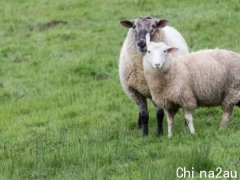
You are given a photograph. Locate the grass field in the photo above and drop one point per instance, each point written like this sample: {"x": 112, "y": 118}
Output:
{"x": 63, "y": 113}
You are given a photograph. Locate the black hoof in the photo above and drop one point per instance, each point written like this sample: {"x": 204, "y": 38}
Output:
{"x": 159, "y": 133}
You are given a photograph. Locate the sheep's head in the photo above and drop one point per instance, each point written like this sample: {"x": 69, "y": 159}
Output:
{"x": 157, "y": 53}
{"x": 141, "y": 26}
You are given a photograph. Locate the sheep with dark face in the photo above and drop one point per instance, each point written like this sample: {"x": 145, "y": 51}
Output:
{"x": 131, "y": 56}
{"x": 200, "y": 79}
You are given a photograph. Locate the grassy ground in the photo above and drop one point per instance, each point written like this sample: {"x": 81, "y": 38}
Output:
{"x": 63, "y": 113}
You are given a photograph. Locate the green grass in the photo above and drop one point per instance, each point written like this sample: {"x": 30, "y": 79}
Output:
{"x": 63, "y": 113}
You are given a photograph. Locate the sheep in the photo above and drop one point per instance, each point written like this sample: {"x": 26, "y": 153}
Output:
{"x": 200, "y": 79}
{"x": 130, "y": 62}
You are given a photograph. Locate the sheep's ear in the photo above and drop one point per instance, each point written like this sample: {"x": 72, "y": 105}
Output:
{"x": 147, "y": 39}
{"x": 172, "y": 49}
{"x": 126, "y": 23}
{"x": 162, "y": 23}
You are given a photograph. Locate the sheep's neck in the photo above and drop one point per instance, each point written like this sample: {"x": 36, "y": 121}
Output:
{"x": 161, "y": 83}
{"x": 169, "y": 64}
{"x": 162, "y": 80}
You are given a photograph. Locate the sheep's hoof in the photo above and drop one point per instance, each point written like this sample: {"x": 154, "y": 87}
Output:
{"x": 223, "y": 125}
{"x": 159, "y": 133}
{"x": 145, "y": 133}
{"x": 193, "y": 134}
{"x": 139, "y": 126}
{"x": 222, "y": 128}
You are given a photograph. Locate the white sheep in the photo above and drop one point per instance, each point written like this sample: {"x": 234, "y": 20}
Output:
{"x": 130, "y": 62}
{"x": 204, "y": 78}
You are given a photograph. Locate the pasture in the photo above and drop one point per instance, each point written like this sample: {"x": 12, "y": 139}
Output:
{"x": 63, "y": 113}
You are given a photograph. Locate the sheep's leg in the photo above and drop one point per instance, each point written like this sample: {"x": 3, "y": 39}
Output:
{"x": 143, "y": 109}
{"x": 227, "y": 112}
{"x": 139, "y": 123}
{"x": 160, "y": 116}
{"x": 189, "y": 120}
{"x": 143, "y": 113}
{"x": 144, "y": 116}
{"x": 170, "y": 118}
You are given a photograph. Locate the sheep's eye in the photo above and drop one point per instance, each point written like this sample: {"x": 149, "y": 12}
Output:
{"x": 165, "y": 51}
{"x": 134, "y": 26}
{"x": 149, "y": 52}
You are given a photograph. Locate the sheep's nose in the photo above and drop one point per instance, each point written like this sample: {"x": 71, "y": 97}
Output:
{"x": 141, "y": 44}
{"x": 157, "y": 65}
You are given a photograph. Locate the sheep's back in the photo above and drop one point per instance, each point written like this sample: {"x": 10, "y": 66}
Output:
{"x": 211, "y": 75}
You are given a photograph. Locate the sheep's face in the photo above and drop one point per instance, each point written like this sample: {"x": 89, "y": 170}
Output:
{"x": 141, "y": 27}
{"x": 157, "y": 53}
